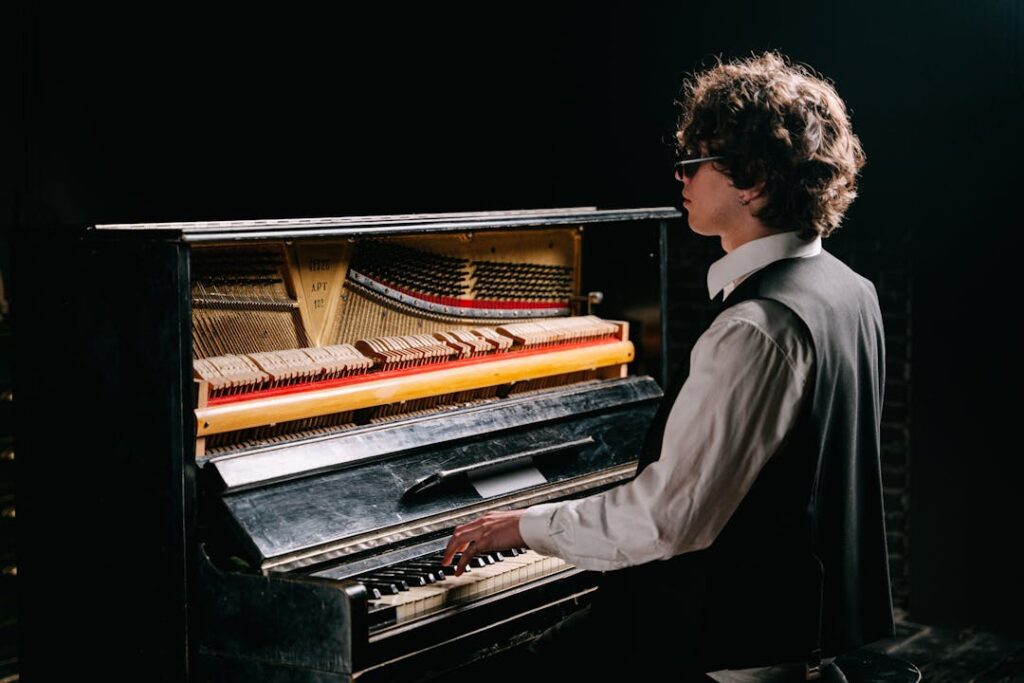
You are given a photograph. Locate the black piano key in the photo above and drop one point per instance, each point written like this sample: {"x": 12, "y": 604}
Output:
{"x": 430, "y": 568}
{"x": 432, "y": 572}
{"x": 400, "y": 584}
{"x": 382, "y": 588}
{"x": 420, "y": 566}
{"x": 476, "y": 561}
{"x": 432, "y": 575}
{"x": 450, "y": 569}
{"x": 400, "y": 578}
{"x": 410, "y": 578}
{"x": 428, "y": 577}
{"x": 385, "y": 587}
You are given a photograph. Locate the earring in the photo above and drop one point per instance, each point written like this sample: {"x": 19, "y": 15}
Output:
{"x": 744, "y": 200}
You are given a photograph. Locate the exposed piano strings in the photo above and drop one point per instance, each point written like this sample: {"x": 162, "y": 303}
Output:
{"x": 256, "y": 298}
{"x": 242, "y": 302}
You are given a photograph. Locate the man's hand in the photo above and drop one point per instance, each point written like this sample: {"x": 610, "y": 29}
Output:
{"x": 493, "y": 531}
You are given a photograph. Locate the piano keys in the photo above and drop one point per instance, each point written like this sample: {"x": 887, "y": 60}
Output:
{"x": 421, "y": 587}
{"x": 360, "y": 386}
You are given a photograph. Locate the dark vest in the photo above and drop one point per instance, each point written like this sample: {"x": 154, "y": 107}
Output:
{"x": 809, "y": 537}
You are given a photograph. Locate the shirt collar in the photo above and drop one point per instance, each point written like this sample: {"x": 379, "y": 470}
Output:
{"x": 729, "y": 271}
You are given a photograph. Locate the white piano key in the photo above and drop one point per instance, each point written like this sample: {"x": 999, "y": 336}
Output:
{"x": 473, "y": 585}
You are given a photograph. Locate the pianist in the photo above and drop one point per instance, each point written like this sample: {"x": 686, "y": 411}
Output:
{"x": 751, "y": 543}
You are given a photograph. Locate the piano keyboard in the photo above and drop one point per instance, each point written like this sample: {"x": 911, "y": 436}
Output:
{"x": 412, "y": 589}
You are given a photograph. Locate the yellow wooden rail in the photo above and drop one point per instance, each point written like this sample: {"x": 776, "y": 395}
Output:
{"x": 258, "y": 412}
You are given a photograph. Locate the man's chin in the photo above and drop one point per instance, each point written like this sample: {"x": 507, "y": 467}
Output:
{"x": 696, "y": 227}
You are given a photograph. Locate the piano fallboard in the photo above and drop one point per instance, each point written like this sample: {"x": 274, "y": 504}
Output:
{"x": 581, "y": 439}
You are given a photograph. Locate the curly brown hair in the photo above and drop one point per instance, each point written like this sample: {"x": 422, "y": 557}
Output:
{"x": 780, "y": 124}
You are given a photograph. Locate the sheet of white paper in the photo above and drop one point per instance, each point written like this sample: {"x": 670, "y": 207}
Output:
{"x": 510, "y": 480}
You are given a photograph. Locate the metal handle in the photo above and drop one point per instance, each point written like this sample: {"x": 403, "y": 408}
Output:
{"x": 445, "y": 476}
{"x": 591, "y": 299}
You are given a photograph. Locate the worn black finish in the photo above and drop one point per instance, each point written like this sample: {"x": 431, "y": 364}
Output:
{"x": 262, "y": 466}
{"x": 242, "y": 617}
{"x": 107, "y": 483}
{"x": 118, "y": 487}
{"x": 387, "y": 558}
{"x": 463, "y": 475}
{"x": 319, "y": 511}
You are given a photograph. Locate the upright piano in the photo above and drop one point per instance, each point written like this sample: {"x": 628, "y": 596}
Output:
{"x": 306, "y": 408}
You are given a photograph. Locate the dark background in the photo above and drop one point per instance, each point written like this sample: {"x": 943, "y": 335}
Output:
{"x": 135, "y": 116}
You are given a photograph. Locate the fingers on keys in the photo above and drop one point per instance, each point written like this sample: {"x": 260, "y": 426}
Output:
{"x": 467, "y": 556}
{"x": 456, "y": 544}
{"x": 462, "y": 541}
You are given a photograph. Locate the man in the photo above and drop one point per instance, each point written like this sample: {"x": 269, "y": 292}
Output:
{"x": 753, "y": 534}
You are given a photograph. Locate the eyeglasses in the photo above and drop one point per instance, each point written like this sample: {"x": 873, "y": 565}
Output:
{"x": 687, "y": 168}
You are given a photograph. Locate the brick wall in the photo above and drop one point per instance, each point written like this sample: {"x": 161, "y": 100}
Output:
{"x": 884, "y": 259}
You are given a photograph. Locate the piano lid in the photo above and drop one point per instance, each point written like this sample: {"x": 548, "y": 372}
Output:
{"x": 410, "y": 479}
{"x": 219, "y": 231}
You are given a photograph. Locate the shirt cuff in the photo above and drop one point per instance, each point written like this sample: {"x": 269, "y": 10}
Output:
{"x": 535, "y": 528}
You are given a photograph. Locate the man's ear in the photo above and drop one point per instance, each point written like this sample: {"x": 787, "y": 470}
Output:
{"x": 752, "y": 193}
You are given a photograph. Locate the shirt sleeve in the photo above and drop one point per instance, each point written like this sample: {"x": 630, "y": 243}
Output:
{"x": 741, "y": 398}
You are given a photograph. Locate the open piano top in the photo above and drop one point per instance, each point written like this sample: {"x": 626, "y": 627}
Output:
{"x": 362, "y": 386}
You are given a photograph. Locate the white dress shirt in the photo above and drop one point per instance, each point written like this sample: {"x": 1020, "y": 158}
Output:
{"x": 748, "y": 375}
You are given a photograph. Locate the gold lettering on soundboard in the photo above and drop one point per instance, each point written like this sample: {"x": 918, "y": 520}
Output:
{"x": 322, "y": 270}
